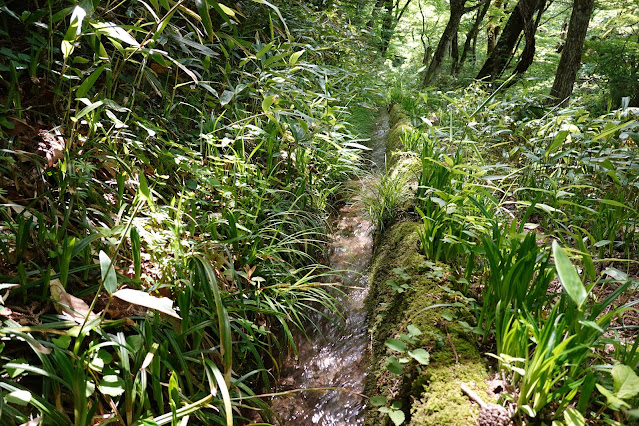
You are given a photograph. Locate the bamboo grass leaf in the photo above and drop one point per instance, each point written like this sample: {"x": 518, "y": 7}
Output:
{"x": 568, "y": 276}
{"x": 107, "y": 271}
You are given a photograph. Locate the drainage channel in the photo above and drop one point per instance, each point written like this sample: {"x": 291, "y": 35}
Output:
{"x": 335, "y": 357}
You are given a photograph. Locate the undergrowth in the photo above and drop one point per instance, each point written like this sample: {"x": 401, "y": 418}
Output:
{"x": 534, "y": 209}
{"x": 166, "y": 171}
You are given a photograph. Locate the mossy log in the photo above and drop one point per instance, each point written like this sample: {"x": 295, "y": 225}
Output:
{"x": 430, "y": 395}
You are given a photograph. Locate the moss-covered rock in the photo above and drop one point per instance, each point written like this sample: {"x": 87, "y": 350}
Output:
{"x": 430, "y": 395}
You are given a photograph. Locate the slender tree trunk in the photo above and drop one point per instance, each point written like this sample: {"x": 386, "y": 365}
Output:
{"x": 456, "y": 12}
{"x": 454, "y": 52}
{"x": 570, "y": 61}
{"x": 530, "y": 29}
{"x": 375, "y": 13}
{"x": 493, "y": 28}
{"x": 504, "y": 50}
{"x": 387, "y": 25}
{"x": 392, "y": 16}
{"x": 471, "y": 38}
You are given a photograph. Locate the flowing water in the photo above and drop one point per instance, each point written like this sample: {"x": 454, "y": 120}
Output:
{"x": 335, "y": 357}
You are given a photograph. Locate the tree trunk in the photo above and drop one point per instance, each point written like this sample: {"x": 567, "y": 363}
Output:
{"x": 456, "y": 12}
{"x": 387, "y": 25}
{"x": 471, "y": 38}
{"x": 454, "y": 52}
{"x": 374, "y": 13}
{"x": 493, "y": 28}
{"x": 530, "y": 29}
{"x": 570, "y": 61}
{"x": 392, "y": 16}
{"x": 504, "y": 50}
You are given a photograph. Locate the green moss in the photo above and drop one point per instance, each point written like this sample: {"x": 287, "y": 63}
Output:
{"x": 431, "y": 395}
{"x": 442, "y": 402}
{"x": 399, "y": 123}
{"x": 396, "y": 114}
{"x": 394, "y": 142}
{"x": 406, "y": 164}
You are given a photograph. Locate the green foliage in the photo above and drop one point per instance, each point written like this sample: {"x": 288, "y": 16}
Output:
{"x": 188, "y": 152}
{"x": 507, "y": 182}
{"x": 617, "y": 62}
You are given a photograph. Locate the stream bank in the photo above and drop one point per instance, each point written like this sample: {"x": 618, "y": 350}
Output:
{"x": 405, "y": 304}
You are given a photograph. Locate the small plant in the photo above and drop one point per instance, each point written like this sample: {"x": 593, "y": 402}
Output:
{"x": 404, "y": 278}
{"x": 385, "y": 199}
{"x": 400, "y": 363}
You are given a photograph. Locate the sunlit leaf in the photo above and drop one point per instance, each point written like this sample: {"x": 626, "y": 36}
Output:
{"x": 107, "y": 270}
{"x": 226, "y": 97}
{"x": 112, "y": 30}
{"x": 420, "y": 355}
{"x": 112, "y": 385}
{"x": 626, "y": 382}
{"x": 295, "y": 57}
{"x": 396, "y": 345}
{"x": 574, "y": 418}
{"x": 142, "y": 298}
{"x": 568, "y": 276}
{"x": 397, "y": 416}
{"x": 19, "y": 397}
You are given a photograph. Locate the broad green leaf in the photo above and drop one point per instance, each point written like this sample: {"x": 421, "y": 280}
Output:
{"x": 145, "y": 192}
{"x": 413, "y": 330}
{"x": 396, "y": 345}
{"x": 114, "y": 32}
{"x": 609, "y": 130}
{"x": 62, "y": 342}
{"x": 226, "y": 9}
{"x": 111, "y": 385}
{"x": 568, "y": 276}
{"x": 397, "y": 416}
{"x": 626, "y": 382}
{"x": 267, "y": 102}
{"x": 89, "y": 82}
{"x": 420, "y": 355}
{"x": 74, "y": 30}
{"x": 107, "y": 270}
{"x": 142, "y": 298}
{"x": 174, "y": 392}
{"x": 611, "y": 398}
{"x": 203, "y": 11}
{"x": 87, "y": 109}
{"x": 394, "y": 366}
{"x": 556, "y": 143}
{"x": 295, "y": 56}
{"x": 226, "y": 97}
{"x": 377, "y": 401}
{"x": 263, "y": 50}
{"x": 574, "y": 418}
{"x": 616, "y": 274}
{"x": 19, "y": 397}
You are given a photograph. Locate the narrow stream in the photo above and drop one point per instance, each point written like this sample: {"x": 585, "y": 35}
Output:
{"x": 336, "y": 357}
